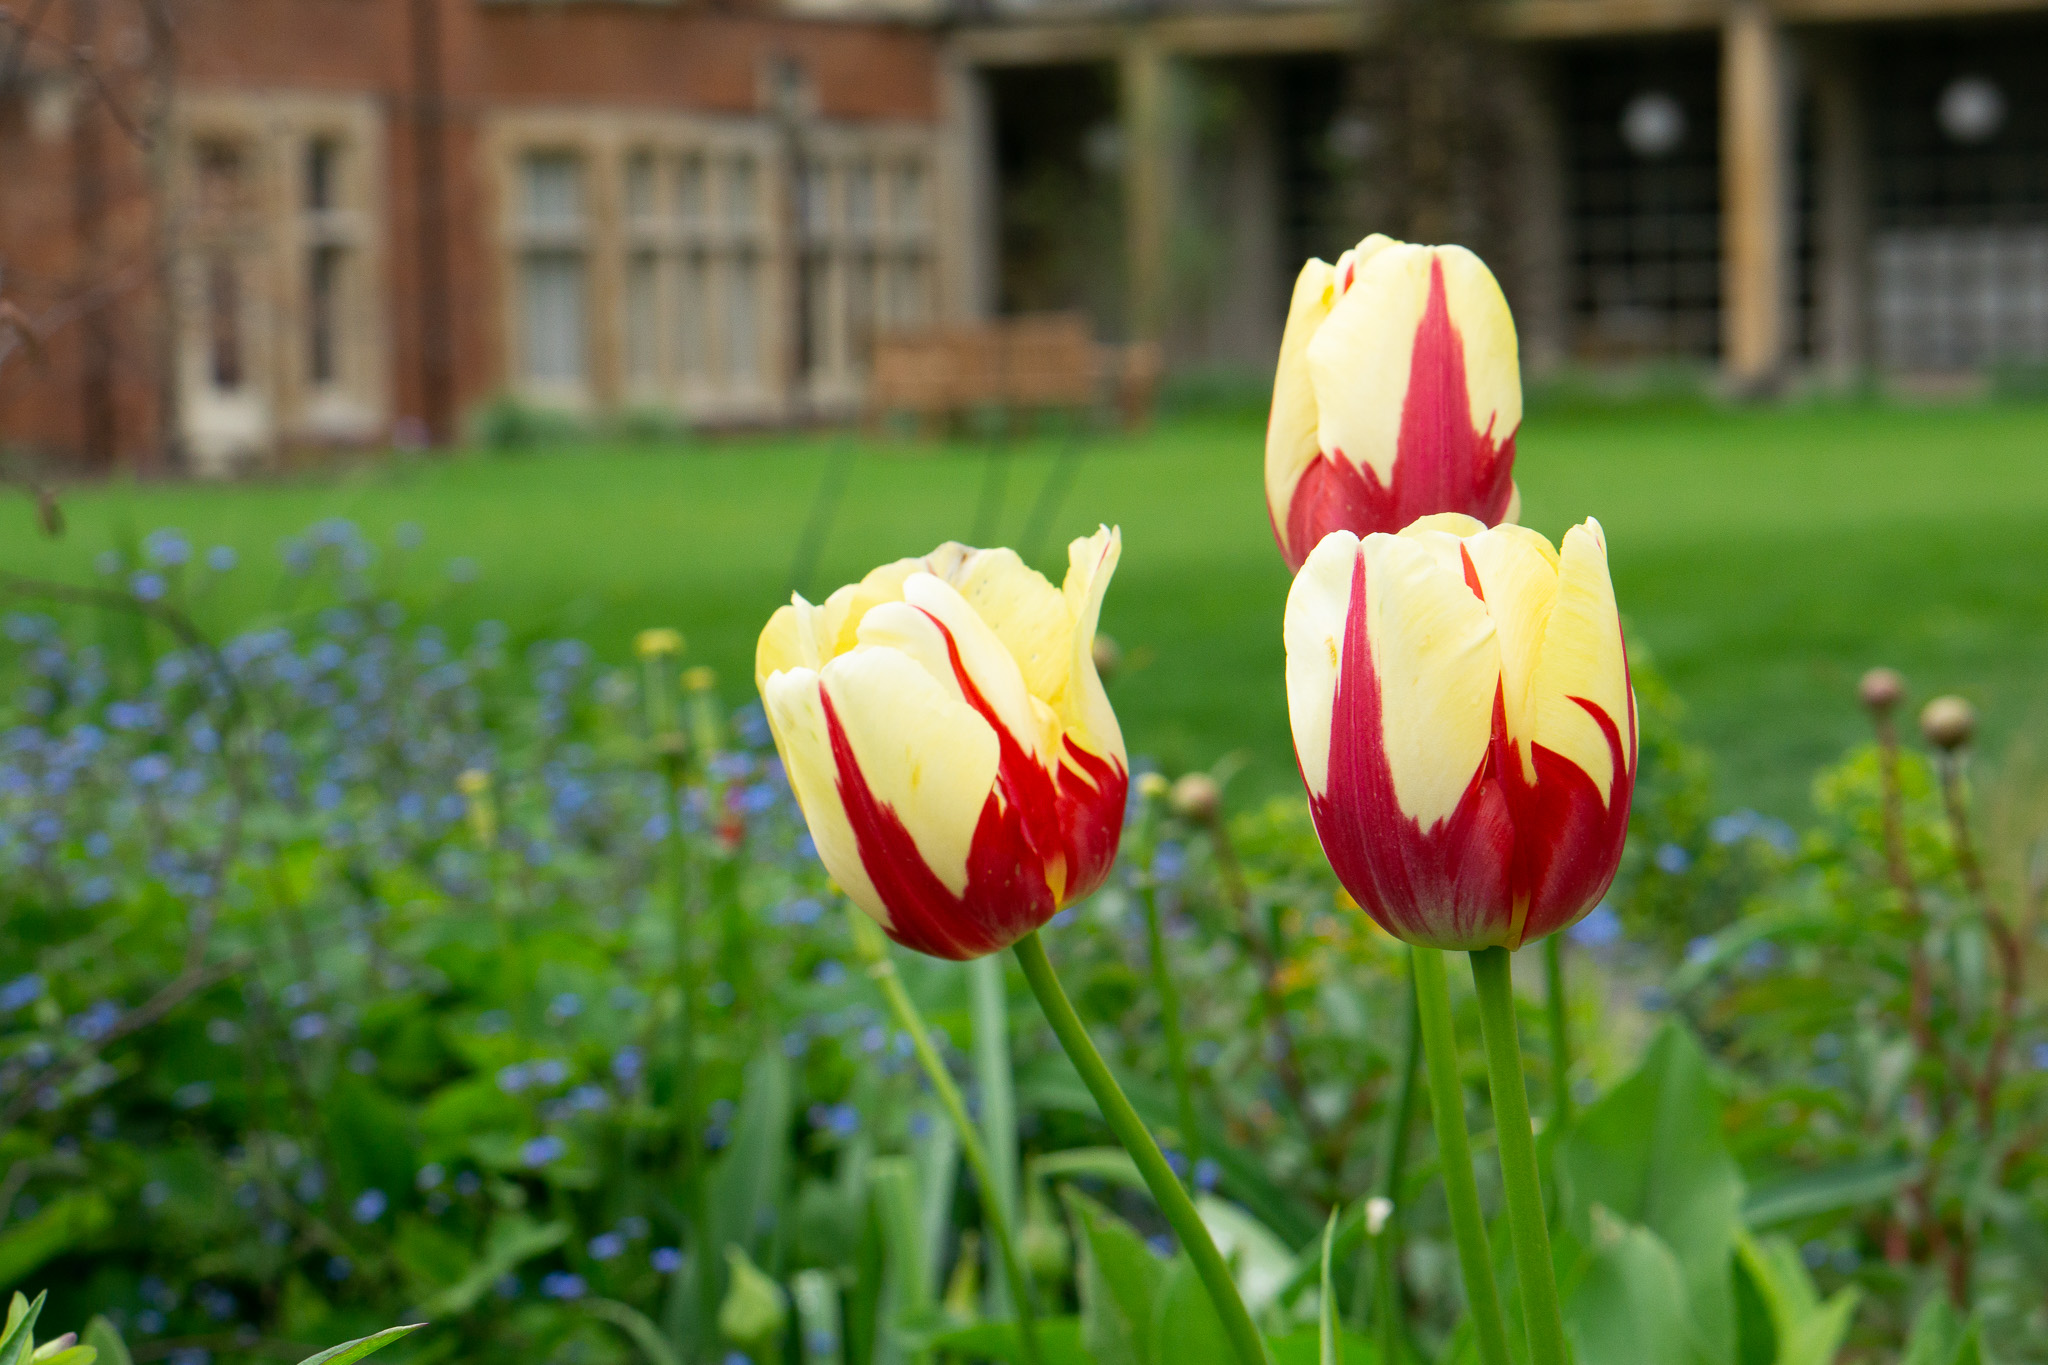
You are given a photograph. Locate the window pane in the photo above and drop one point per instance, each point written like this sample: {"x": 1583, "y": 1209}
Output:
{"x": 224, "y": 323}
{"x": 909, "y": 206}
{"x": 742, "y": 193}
{"x": 323, "y": 174}
{"x": 554, "y": 190}
{"x": 553, "y": 306}
{"x": 742, "y": 320}
{"x": 860, "y": 196}
{"x": 692, "y": 316}
{"x": 909, "y": 292}
{"x": 640, "y": 187}
{"x": 642, "y": 359}
{"x": 323, "y": 320}
{"x": 690, "y": 191}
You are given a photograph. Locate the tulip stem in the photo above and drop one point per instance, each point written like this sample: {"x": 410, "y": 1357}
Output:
{"x": 1387, "y": 1310}
{"x": 1493, "y": 975}
{"x": 1454, "y": 1153}
{"x": 1169, "y": 1019}
{"x": 1560, "y": 1033}
{"x": 869, "y": 943}
{"x": 1130, "y": 1130}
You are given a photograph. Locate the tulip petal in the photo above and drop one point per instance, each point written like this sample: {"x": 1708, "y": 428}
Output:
{"x": 1291, "y": 443}
{"x": 1083, "y": 705}
{"x": 1027, "y": 613}
{"x": 1583, "y": 673}
{"x": 1392, "y": 690}
{"x": 1516, "y": 571}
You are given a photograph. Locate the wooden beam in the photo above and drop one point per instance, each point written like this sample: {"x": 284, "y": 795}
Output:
{"x": 1755, "y": 232}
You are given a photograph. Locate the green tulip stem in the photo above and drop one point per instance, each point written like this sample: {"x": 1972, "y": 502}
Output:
{"x": 1493, "y": 976}
{"x": 1130, "y": 1130}
{"x": 1169, "y": 1019}
{"x": 1393, "y": 1163}
{"x": 1560, "y": 1033}
{"x": 869, "y": 943}
{"x": 1454, "y": 1153}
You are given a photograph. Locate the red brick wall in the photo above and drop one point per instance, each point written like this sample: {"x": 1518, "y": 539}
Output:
{"x": 681, "y": 57}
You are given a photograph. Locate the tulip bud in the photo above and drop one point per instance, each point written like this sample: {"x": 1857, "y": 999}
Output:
{"x": 755, "y": 1309}
{"x": 658, "y": 643}
{"x": 1109, "y": 657}
{"x": 1948, "y": 722}
{"x": 1398, "y": 395}
{"x": 475, "y": 786}
{"x": 55, "y": 1347}
{"x": 702, "y": 678}
{"x": 1196, "y": 798}
{"x": 1881, "y": 690}
{"x": 1153, "y": 786}
{"x": 947, "y": 736}
{"x": 1462, "y": 715}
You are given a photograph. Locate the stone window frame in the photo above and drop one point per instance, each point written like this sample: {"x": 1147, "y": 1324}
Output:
{"x": 274, "y": 235}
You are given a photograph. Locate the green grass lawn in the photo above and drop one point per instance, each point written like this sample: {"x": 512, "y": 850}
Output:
{"x": 1763, "y": 557}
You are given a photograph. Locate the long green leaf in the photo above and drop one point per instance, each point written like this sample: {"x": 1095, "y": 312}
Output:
{"x": 1120, "y": 1284}
{"x": 351, "y": 1351}
{"x": 1330, "y": 1341}
{"x": 1825, "y": 1191}
{"x": 105, "y": 1338}
{"x": 19, "y": 1338}
{"x": 638, "y": 1327}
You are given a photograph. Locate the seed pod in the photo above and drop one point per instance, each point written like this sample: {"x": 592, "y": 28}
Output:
{"x": 1881, "y": 689}
{"x": 1948, "y": 722}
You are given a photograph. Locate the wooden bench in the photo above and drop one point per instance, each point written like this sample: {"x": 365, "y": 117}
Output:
{"x": 1034, "y": 363}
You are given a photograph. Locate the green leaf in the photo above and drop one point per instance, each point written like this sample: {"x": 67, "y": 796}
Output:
{"x": 75, "y": 1355}
{"x": 1304, "y": 1346}
{"x": 105, "y": 1338}
{"x": 513, "y": 1241}
{"x": 1937, "y": 1334}
{"x": 746, "y": 1183}
{"x": 62, "y": 1225}
{"x": 1059, "y": 1342}
{"x": 1650, "y": 1152}
{"x": 1329, "y": 1338}
{"x": 1120, "y": 1283}
{"x": 350, "y": 1351}
{"x": 638, "y": 1327}
{"x": 1824, "y": 1191}
{"x": 19, "y": 1338}
{"x": 1805, "y": 1331}
{"x": 1185, "y": 1327}
{"x": 1629, "y": 1305}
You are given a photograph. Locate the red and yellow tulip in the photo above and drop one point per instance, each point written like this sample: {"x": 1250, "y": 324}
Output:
{"x": 1398, "y": 395}
{"x": 1463, "y": 719}
{"x": 949, "y": 740}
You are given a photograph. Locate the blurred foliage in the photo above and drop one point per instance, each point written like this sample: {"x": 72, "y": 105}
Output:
{"x": 349, "y": 968}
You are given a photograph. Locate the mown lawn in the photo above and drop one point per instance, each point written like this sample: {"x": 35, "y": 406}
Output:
{"x": 1764, "y": 557}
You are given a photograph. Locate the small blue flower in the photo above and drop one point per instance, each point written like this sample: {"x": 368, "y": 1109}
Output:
{"x": 561, "y": 1284}
{"x": 542, "y": 1151}
{"x": 222, "y": 558}
{"x": 23, "y": 990}
{"x": 607, "y": 1245}
{"x": 1672, "y": 859}
{"x": 307, "y": 1027}
{"x": 147, "y": 587}
{"x": 431, "y": 1175}
{"x": 513, "y": 1079}
{"x": 666, "y": 1260}
{"x": 1601, "y": 928}
{"x": 1207, "y": 1173}
{"x": 192, "y": 1096}
{"x": 339, "y": 1268}
{"x": 369, "y": 1206}
{"x": 167, "y": 548}
{"x": 626, "y": 1064}
{"x": 830, "y": 972}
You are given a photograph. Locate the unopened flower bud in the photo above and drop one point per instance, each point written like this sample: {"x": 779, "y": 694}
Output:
{"x": 702, "y": 678}
{"x": 1948, "y": 722}
{"x": 755, "y": 1308}
{"x": 1153, "y": 786}
{"x": 1881, "y": 689}
{"x": 1109, "y": 657}
{"x": 1046, "y": 1250}
{"x": 658, "y": 643}
{"x": 1196, "y": 798}
{"x": 55, "y": 1347}
{"x": 1378, "y": 1210}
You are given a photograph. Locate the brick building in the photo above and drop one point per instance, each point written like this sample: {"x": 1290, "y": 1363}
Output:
{"x": 242, "y": 227}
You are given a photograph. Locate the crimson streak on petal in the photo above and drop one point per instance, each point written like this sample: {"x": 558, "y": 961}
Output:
{"x": 1447, "y": 885}
{"x": 1039, "y": 843}
{"x": 1441, "y": 463}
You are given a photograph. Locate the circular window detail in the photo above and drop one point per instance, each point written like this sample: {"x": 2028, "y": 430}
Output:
{"x": 1653, "y": 124}
{"x": 1971, "y": 109}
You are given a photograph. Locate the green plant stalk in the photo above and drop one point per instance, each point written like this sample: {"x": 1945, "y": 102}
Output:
{"x": 1393, "y": 1163}
{"x": 998, "y": 1126}
{"x": 1454, "y": 1152}
{"x": 696, "y": 1205}
{"x": 869, "y": 943}
{"x": 1169, "y": 1020}
{"x": 1130, "y": 1130}
{"x": 1560, "y": 1034}
{"x": 1493, "y": 976}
